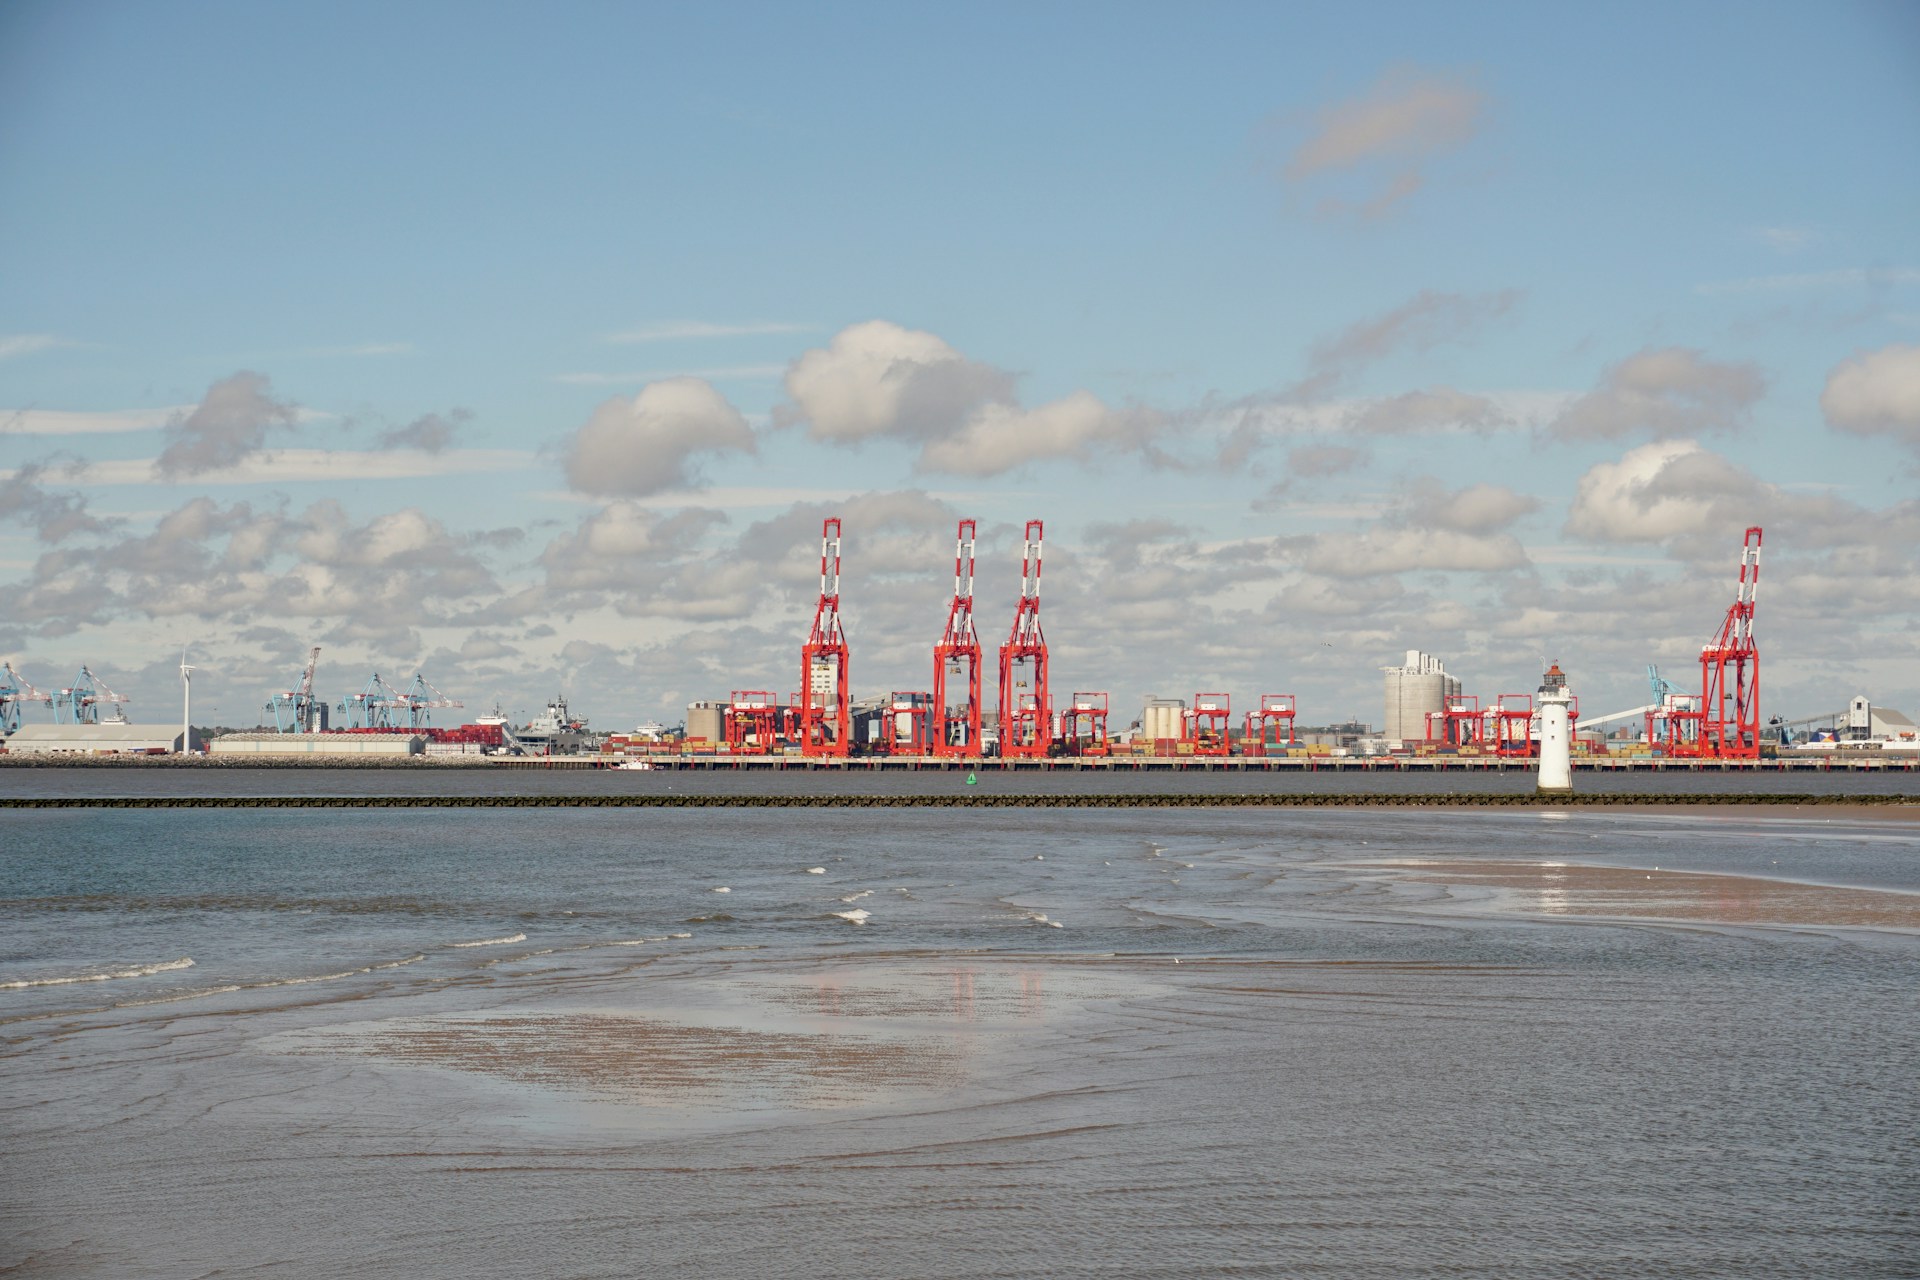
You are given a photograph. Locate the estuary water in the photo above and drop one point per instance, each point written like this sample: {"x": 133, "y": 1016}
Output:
{"x": 959, "y": 1043}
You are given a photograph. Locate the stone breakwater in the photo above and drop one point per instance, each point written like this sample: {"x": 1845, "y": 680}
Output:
{"x": 1357, "y": 800}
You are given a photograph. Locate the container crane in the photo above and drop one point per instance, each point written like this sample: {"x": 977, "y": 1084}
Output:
{"x": 15, "y": 692}
{"x": 1209, "y": 727}
{"x": 826, "y": 709}
{"x": 1725, "y": 725}
{"x": 956, "y": 730}
{"x": 420, "y": 700}
{"x": 1270, "y": 727}
{"x": 1083, "y": 725}
{"x": 1026, "y": 714}
{"x": 372, "y": 707}
{"x": 80, "y": 704}
{"x": 292, "y": 711}
{"x": 1730, "y": 670}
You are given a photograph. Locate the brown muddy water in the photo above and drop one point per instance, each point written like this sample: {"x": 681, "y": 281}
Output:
{"x": 988, "y": 1043}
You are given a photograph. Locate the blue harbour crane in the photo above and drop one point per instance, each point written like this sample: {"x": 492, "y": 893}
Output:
{"x": 15, "y": 692}
{"x": 292, "y": 710}
{"x": 373, "y": 706}
{"x": 420, "y": 699}
{"x": 80, "y": 703}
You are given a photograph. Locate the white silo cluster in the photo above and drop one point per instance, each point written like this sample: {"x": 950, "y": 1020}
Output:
{"x": 1415, "y": 690}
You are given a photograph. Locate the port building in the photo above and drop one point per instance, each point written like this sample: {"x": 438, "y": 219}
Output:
{"x": 319, "y": 744}
{"x": 97, "y": 739}
{"x": 1416, "y": 689}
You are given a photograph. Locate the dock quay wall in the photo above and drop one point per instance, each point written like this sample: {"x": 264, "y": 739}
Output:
{"x": 1527, "y": 800}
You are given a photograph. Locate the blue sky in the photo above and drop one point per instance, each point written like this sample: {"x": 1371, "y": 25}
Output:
{"x": 529, "y": 347}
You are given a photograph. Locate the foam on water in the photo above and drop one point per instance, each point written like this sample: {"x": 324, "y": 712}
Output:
{"x": 108, "y": 975}
{"x": 492, "y": 942}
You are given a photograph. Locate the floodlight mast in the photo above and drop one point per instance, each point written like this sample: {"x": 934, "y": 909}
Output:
{"x": 1026, "y": 714}
{"x": 956, "y": 730}
{"x": 826, "y": 707}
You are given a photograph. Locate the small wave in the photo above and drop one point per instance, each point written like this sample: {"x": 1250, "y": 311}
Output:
{"x": 855, "y": 897}
{"x": 184, "y": 962}
{"x": 718, "y": 917}
{"x": 1040, "y": 917}
{"x": 855, "y": 916}
{"x": 721, "y": 888}
{"x": 492, "y": 942}
{"x": 816, "y": 871}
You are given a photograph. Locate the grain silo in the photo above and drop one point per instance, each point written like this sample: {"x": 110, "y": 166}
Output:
{"x": 1414, "y": 691}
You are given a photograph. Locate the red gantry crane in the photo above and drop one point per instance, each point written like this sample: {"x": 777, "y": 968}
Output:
{"x": 1730, "y": 671}
{"x": 1269, "y": 729}
{"x": 1026, "y": 715}
{"x": 1209, "y": 724}
{"x": 956, "y": 727}
{"x": 826, "y": 711}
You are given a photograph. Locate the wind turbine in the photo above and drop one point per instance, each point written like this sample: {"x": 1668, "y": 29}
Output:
{"x": 186, "y": 708}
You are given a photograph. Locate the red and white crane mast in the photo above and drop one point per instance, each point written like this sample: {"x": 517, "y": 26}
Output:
{"x": 826, "y": 708}
{"x": 1730, "y": 671}
{"x": 1026, "y": 714}
{"x": 956, "y": 728}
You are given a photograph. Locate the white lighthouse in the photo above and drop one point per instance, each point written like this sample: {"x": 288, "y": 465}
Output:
{"x": 1556, "y": 734}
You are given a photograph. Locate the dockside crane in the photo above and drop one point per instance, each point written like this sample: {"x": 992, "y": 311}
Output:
{"x": 826, "y": 707}
{"x": 80, "y": 703}
{"x": 15, "y": 693}
{"x": 372, "y": 707}
{"x": 292, "y": 710}
{"x": 956, "y": 730}
{"x": 1730, "y": 670}
{"x": 420, "y": 700}
{"x": 1026, "y": 714}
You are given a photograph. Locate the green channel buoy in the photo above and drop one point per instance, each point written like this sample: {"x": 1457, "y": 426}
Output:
{"x": 972, "y": 778}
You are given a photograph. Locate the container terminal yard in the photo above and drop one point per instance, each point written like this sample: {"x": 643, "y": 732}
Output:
{"x": 1429, "y": 723}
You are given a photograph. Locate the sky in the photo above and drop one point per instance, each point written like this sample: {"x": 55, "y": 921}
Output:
{"x": 527, "y": 347}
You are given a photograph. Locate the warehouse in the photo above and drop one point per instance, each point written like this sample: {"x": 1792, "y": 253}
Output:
{"x": 97, "y": 739}
{"x": 319, "y": 744}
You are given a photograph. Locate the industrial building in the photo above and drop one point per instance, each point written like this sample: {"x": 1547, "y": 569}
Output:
{"x": 319, "y": 744}
{"x": 1419, "y": 688}
{"x": 98, "y": 739}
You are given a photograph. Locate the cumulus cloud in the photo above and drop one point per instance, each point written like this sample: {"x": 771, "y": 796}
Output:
{"x": 634, "y": 447}
{"x": 1476, "y": 509}
{"x": 1388, "y": 134}
{"x": 1663, "y": 490}
{"x": 1876, "y": 393}
{"x": 228, "y": 426}
{"x": 1671, "y": 391}
{"x": 431, "y": 433}
{"x": 878, "y": 380}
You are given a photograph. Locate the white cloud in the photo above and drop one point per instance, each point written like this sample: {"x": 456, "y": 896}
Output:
{"x": 62, "y": 422}
{"x": 721, "y": 373}
{"x": 1876, "y": 393}
{"x": 294, "y": 466}
{"x": 229, "y": 425}
{"x": 675, "y": 330}
{"x": 646, "y": 444}
{"x": 1396, "y": 550}
{"x": 1656, "y": 492}
{"x": 1671, "y": 391}
{"x": 999, "y": 437}
{"x": 879, "y": 380}
{"x": 25, "y": 344}
{"x": 1476, "y": 509}
{"x": 1406, "y": 118}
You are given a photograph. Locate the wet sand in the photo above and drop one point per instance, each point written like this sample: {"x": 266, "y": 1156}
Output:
{"x": 1574, "y": 889}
